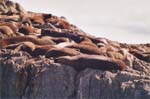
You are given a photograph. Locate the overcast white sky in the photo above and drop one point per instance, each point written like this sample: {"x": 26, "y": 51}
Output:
{"x": 120, "y": 20}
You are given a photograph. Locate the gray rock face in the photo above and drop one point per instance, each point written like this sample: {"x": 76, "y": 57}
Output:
{"x": 40, "y": 78}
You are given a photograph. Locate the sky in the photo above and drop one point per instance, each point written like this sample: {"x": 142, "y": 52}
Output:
{"x": 126, "y": 21}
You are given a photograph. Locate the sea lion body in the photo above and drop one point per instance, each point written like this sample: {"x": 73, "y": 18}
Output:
{"x": 87, "y": 41}
{"x": 31, "y": 48}
{"x": 80, "y": 62}
{"x": 7, "y": 31}
{"x": 41, "y": 50}
{"x": 59, "y": 22}
{"x": 53, "y": 33}
{"x": 11, "y": 25}
{"x": 57, "y": 40}
{"x": 27, "y": 30}
{"x": 86, "y": 49}
{"x": 141, "y": 56}
{"x": 38, "y": 20}
{"x": 57, "y": 52}
{"x": 14, "y": 40}
{"x": 115, "y": 55}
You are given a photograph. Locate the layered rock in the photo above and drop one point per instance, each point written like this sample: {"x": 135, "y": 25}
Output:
{"x": 45, "y": 56}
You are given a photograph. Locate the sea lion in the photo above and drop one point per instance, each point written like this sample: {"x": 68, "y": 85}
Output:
{"x": 65, "y": 44}
{"x": 46, "y": 16}
{"x": 57, "y": 52}
{"x": 87, "y": 49}
{"x": 115, "y": 55}
{"x": 7, "y": 31}
{"x": 110, "y": 48}
{"x": 25, "y": 46}
{"x": 103, "y": 49}
{"x": 47, "y": 50}
{"x": 87, "y": 41}
{"x": 128, "y": 58}
{"x": 83, "y": 48}
{"x": 2, "y": 36}
{"x": 8, "y": 18}
{"x": 57, "y": 40}
{"x": 80, "y": 62}
{"x": 54, "y": 33}
{"x": 37, "y": 20}
{"x": 11, "y": 25}
{"x": 41, "y": 50}
{"x": 31, "y": 48}
{"x": 35, "y": 40}
{"x": 59, "y": 22}
{"x": 48, "y": 26}
{"x": 141, "y": 56}
{"x": 19, "y": 8}
{"x": 99, "y": 40}
{"x": 22, "y": 45}
{"x": 62, "y": 24}
{"x": 27, "y": 30}
{"x": 10, "y": 7}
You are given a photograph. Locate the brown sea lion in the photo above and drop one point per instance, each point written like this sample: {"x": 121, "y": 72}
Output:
{"x": 115, "y": 55}
{"x": 27, "y": 30}
{"x": 100, "y": 40}
{"x": 22, "y": 46}
{"x": 83, "y": 48}
{"x": 41, "y": 50}
{"x": 103, "y": 49}
{"x": 7, "y": 31}
{"x": 57, "y": 52}
{"x": 111, "y": 48}
{"x": 57, "y": 40}
{"x": 49, "y": 50}
{"x": 37, "y": 20}
{"x": 141, "y": 56}
{"x": 65, "y": 44}
{"x": 2, "y": 36}
{"x": 128, "y": 58}
{"x": 58, "y": 22}
{"x": 87, "y": 41}
{"x": 35, "y": 40}
{"x": 20, "y": 9}
{"x": 31, "y": 48}
{"x": 80, "y": 62}
{"x": 7, "y": 18}
{"x": 54, "y": 33}
{"x": 62, "y": 24}
{"x": 46, "y": 16}
{"x": 11, "y": 25}
{"x": 86, "y": 49}
{"x": 48, "y": 26}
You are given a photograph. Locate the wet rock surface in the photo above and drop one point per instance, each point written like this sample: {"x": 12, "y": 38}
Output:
{"x": 43, "y": 56}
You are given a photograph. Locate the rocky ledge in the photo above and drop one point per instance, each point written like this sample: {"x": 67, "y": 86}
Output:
{"x": 43, "y": 56}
